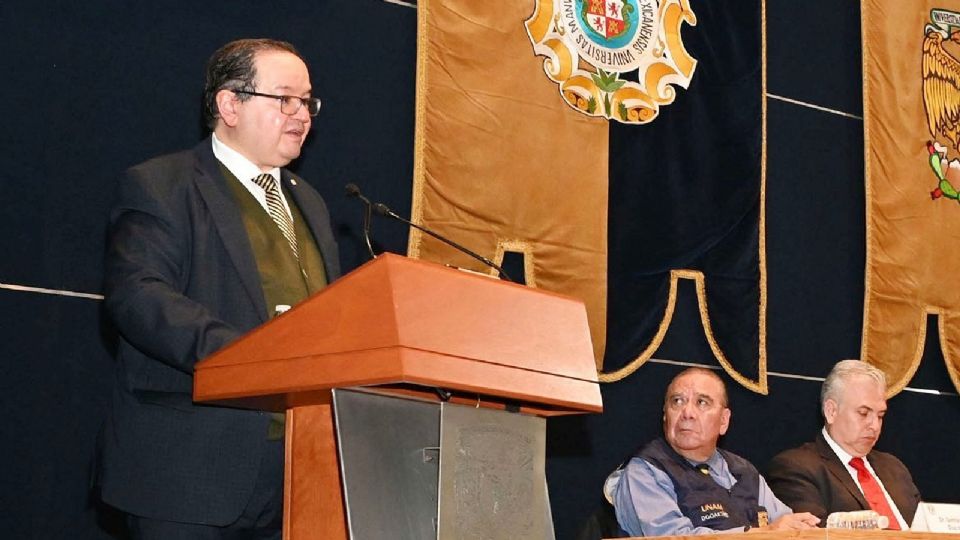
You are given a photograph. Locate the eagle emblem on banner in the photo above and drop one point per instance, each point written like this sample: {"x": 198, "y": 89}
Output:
{"x": 911, "y": 102}
{"x": 613, "y": 38}
{"x": 941, "y": 98}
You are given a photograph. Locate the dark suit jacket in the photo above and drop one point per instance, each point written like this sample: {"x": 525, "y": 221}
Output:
{"x": 181, "y": 282}
{"x": 812, "y": 479}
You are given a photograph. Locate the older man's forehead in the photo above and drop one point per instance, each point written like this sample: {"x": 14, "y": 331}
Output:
{"x": 697, "y": 383}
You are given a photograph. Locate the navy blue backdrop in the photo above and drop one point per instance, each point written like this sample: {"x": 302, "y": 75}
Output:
{"x": 92, "y": 88}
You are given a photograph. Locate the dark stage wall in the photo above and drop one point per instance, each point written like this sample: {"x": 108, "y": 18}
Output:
{"x": 94, "y": 87}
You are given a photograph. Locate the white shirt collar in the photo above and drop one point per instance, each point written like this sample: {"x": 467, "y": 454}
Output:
{"x": 246, "y": 171}
{"x": 236, "y": 163}
{"x": 844, "y": 456}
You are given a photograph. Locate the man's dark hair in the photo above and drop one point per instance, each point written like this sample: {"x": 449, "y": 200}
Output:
{"x": 232, "y": 68}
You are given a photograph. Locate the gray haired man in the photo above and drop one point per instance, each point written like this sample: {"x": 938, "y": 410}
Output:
{"x": 840, "y": 471}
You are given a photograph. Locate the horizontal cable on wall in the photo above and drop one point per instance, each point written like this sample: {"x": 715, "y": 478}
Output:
{"x": 780, "y": 375}
{"x": 813, "y": 106}
{"x": 57, "y": 292}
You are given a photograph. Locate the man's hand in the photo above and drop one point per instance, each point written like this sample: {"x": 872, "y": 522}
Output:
{"x": 802, "y": 520}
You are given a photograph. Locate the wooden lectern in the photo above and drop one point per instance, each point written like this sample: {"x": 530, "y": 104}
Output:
{"x": 401, "y": 326}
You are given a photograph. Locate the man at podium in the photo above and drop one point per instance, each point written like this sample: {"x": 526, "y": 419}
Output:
{"x": 840, "y": 471}
{"x": 205, "y": 245}
{"x": 682, "y": 484}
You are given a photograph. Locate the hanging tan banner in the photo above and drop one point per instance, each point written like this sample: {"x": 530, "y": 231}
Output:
{"x": 911, "y": 93}
{"x": 501, "y": 163}
{"x": 588, "y": 136}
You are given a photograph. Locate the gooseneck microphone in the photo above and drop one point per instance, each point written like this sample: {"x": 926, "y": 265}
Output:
{"x": 384, "y": 210}
{"x": 353, "y": 191}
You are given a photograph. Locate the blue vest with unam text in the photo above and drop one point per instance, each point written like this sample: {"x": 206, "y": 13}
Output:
{"x": 699, "y": 497}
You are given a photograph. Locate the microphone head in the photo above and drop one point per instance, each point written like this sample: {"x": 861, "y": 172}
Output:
{"x": 352, "y": 190}
{"x": 382, "y": 209}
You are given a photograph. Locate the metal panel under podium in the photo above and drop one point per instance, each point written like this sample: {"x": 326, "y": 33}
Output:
{"x": 492, "y": 483}
{"x": 415, "y": 470}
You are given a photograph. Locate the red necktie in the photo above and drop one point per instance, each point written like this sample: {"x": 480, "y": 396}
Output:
{"x": 873, "y": 493}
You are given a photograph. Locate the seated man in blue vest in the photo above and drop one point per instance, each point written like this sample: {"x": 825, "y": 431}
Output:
{"x": 682, "y": 484}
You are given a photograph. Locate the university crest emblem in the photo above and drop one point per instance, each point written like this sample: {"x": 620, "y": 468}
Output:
{"x": 941, "y": 98}
{"x": 605, "y": 19}
{"x": 589, "y": 44}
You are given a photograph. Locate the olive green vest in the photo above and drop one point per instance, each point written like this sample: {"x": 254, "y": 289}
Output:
{"x": 285, "y": 279}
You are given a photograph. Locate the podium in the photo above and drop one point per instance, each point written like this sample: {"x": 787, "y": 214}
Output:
{"x": 416, "y": 334}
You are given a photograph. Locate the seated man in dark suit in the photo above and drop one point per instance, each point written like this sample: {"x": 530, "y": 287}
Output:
{"x": 682, "y": 484}
{"x": 840, "y": 471}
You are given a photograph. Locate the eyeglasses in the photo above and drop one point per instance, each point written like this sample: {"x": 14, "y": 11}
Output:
{"x": 289, "y": 105}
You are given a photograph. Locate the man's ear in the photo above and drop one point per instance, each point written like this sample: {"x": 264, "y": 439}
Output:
{"x": 227, "y": 106}
{"x": 829, "y": 410}
{"x": 725, "y": 420}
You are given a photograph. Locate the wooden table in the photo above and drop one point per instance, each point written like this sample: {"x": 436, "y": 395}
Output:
{"x": 826, "y": 534}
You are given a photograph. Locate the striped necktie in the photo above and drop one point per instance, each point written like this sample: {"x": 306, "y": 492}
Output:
{"x": 276, "y": 209}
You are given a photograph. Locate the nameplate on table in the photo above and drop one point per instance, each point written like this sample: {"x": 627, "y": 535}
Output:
{"x": 937, "y": 517}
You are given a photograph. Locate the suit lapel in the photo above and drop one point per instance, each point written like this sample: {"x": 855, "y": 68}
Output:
{"x": 223, "y": 209}
{"x": 839, "y": 471}
{"x": 317, "y": 220}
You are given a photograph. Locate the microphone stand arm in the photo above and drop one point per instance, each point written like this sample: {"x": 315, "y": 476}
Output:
{"x": 366, "y": 229}
{"x": 353, "y": 191}
{"x": 383, "y": 210}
